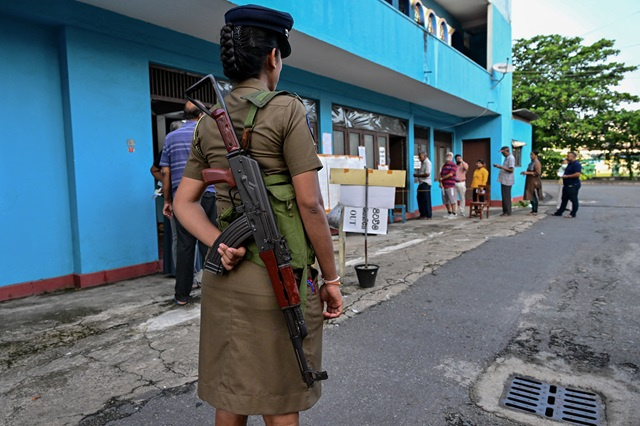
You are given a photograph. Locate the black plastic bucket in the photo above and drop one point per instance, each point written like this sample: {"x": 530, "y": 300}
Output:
{"x": 367, "y": 274}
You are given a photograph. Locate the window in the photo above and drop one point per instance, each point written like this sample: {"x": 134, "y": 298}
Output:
{"x": 444, "y": 30}
{"x": 369, "y": 150}
{"x": 353, "y": 129}
{"x": 338, "y": 142}
{"x": 354, "y": 143}
{"x": 432, "y": 22}
{"x": 517, "y": 154}
{"x": 418, "y": 13}
{"x": 517, "y": 151}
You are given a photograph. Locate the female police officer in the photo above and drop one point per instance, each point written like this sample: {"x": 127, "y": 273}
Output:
{"x": 247, "y": 365}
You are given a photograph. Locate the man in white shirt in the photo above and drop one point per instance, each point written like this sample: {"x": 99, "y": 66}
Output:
{"x": 424, "y": 187}
{"x": 506, "y": 179}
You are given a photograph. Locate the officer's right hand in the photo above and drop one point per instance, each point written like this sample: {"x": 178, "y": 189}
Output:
{"x": 331, "y": 299}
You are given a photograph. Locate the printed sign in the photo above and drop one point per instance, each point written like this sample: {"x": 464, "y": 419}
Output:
{"x": 376, "y": 223}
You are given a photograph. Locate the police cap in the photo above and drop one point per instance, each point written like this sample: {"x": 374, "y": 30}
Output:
{"x": 258, "y": 16}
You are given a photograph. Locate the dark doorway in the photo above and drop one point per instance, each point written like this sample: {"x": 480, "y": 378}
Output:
{"x": 443, "y": 143}
{"x": 166, "y": 89}
{"x": 474, "y": 150}
{"x": 398, "y": 161}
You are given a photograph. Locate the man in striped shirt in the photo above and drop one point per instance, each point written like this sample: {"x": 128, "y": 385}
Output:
{"x": 175, "y": 153}
{"x": 448, "y": 184}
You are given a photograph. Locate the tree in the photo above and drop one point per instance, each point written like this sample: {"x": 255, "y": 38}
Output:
{"x": 571, "y": 87}
{"x": 621, "y": 142}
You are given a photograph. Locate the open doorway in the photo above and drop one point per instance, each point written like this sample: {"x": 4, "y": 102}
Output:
{"x": 167, "y": 87}
{"x": 166, "y": 116}
{"x": 474, "y": 150}
{"x": 398, "y": 161}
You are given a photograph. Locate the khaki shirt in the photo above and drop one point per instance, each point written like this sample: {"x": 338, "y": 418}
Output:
{"x": 281, "y": 141}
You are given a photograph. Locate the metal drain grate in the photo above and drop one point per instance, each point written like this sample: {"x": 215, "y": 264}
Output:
{"x": 554, "y": 402}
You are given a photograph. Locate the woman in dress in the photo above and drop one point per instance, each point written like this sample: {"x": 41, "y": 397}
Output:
{"x": 533, "y": 183}
{"x": 247, "y": 365}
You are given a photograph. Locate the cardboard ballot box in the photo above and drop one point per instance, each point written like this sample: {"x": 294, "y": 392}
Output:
{"x": 395, "y": 178}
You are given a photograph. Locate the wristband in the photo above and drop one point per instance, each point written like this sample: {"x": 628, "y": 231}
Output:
{"x": 334, "y": 282}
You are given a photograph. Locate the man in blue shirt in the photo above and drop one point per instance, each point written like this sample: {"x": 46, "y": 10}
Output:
{"x": 571, "y": 186}
{"x": 175, "y": 153}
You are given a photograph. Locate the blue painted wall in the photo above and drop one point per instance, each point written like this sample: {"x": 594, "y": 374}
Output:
{"x": 522, "y": 132}
{"x": 108, "y": 106}
{"x": 34, "y": 197}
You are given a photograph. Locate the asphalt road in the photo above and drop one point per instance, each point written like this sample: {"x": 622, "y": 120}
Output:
{"x": 561, "y": 296}
{"x": 557, "y": 302}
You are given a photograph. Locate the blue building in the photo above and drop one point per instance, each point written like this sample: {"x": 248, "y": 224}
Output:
{"x": 95, "y": 84}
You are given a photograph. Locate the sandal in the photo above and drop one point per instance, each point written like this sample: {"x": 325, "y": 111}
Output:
{"x": 196, "y": 285}
{"x": 179, "y": 302}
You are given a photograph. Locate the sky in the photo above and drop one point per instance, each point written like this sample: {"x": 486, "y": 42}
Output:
{"x": 617, "y": 20}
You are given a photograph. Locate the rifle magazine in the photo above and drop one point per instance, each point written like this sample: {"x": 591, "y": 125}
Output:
{"x": 234, "y": 236}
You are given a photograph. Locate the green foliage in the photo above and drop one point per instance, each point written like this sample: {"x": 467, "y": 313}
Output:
{"x": 588, "y": 170}
{"x": 621, "y": 140}
{"x": 551, "y": 160}
{"x": 571, "y": 87}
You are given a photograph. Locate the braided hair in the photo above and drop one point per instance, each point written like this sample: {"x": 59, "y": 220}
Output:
{"x": 243, "y": 50}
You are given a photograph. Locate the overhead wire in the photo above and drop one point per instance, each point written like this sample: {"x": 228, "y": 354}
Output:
{"x": 469, "y": 120}
{"x": 610, "y": 23}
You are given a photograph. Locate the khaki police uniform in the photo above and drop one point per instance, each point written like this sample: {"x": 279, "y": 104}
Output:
{"x": 247, "y": 364}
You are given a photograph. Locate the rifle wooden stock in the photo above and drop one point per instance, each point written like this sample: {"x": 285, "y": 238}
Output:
{"x": 282, "y": 280}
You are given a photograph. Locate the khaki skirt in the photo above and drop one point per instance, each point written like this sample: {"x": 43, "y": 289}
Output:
{"x": 247, "y": 364}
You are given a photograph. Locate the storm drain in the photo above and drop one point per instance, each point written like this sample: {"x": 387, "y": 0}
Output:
{"x": 553, "y": 402}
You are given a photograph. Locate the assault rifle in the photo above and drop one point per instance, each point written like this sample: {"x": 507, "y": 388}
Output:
{"x": 258, "y": 221}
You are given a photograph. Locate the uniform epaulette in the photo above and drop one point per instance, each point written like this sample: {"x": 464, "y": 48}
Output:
{"x": 195, "y": 142}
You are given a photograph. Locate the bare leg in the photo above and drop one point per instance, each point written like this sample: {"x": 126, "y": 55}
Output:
{"x": 291, "y": 419}
{"x": 226, "y": 418}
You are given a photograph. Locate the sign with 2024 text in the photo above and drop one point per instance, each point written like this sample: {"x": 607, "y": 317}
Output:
{"x": 376, "y": 223}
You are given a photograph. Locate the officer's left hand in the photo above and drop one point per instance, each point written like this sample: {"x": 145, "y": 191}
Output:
{"x": 230, "y": 256}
